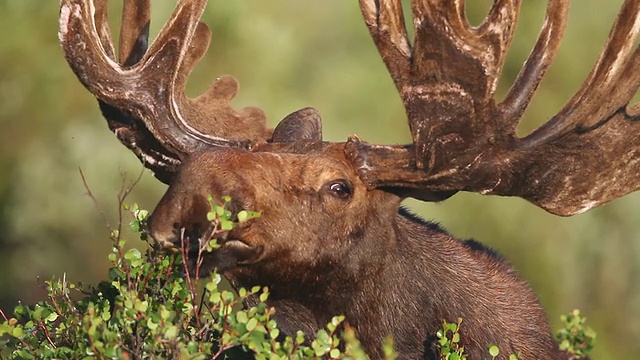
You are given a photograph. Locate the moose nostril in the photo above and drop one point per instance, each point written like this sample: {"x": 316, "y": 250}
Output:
{"x": 160, "y": 233}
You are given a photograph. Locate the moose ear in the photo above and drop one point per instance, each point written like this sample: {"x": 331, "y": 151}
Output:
{"x": 303, "y": 124}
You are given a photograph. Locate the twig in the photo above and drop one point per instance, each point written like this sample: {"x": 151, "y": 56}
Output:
{"x": 184, "y": 247}
{"x": 123, "y": 194}
{"x": 46, "y": 334}
{"x": 95, "y": 201}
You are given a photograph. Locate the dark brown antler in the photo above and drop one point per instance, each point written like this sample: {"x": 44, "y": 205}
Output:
{"x": 142, "y": 94}
{"x": 586, "y": 155}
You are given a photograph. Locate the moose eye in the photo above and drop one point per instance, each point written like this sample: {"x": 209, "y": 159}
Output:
{"x": 340, "y": 188}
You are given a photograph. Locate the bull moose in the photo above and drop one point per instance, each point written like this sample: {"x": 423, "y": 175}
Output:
{"x": 332, "y": 238}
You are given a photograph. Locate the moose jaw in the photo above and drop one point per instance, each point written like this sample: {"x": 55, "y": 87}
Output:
{"x": 332, "y": 238}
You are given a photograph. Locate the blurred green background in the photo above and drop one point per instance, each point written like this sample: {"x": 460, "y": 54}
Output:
{"x": 289, "y": 54}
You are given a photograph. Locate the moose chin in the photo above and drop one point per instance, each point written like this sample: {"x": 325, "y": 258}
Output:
{"x": 332, "y": 238}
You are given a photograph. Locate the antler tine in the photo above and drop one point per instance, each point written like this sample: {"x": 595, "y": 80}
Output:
{"x": 614, "y": 77}
{"x": 385, "y": 20}
{"x": 143, "y": 97}
{"x": 449, "y": 63}
{"x": 441, "y": 29}
{"x": 134, "y": 31}
{"x": 101, "y": 9}
{"x": 432, "y": 18}
{"x": 536, "y": 66}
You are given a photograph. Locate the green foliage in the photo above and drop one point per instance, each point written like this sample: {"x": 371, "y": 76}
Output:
{"x": 151, "y": 308}
{"x": 576, "y": 337}
{"x": 449, "y": 341}
{"x": 222, "y": 217}
{"x": 494, "y": 351}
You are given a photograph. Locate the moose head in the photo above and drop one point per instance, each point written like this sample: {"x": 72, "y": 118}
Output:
{"x": 332, "y": 238}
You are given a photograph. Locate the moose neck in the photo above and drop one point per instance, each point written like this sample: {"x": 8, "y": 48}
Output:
{"x": 403, "y": 282}
{"x": 368, "y": 289}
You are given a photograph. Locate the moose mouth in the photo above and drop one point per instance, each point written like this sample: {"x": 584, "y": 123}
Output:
{"x": 230, "y": 252}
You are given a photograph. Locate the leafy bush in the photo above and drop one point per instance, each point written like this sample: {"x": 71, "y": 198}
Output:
{"x": 575, "y": 337}
{"x": 152, "y": 308}
{"x": 449, "y": 343}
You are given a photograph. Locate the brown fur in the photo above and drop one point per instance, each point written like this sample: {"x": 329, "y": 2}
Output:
{"x": 388, "y": 272}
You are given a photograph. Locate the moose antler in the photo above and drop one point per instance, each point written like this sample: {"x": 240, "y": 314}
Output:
{"x": 586, "y": 155}
{"x": 142, "y": 94}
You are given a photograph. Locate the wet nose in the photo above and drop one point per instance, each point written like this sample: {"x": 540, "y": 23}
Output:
{"x": 176, "y": 216}
{"x": 164, "y": 236}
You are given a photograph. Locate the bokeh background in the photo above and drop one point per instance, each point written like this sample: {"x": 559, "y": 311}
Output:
{"x": 289, "y": 54}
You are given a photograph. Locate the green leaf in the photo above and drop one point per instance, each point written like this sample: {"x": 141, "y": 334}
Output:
{"x": 242, "y": 216}
{"x": 299, "y": 337}
{"x": 135, "y": 226}
{"x": 215, "y": 298}
{"x": 142, "y": 215}
{"x": 455, "y": 338}
{"x": 212, "y": 245}
{"x": 37, "y": 313}
{"x": 141, "y": 306}
{"x": 322, "y": 336}
{"x": 133, "y": 254}
{"x": 264, "y": 296}
{"x": 443, "y": 340}
{"x": 494, "y": 350}
{"x": 336, "y": 320}
{"x": 245, "y": 215}
{"x": 5, "y": 328}
{"x": 52, "y": 317}
{"x": 171, "y": 332}
{"x": 18, "y": 331}
{"x": 251, "y": 324}
{"x": 241, "y": 316}
{"x": 226, "y": 225}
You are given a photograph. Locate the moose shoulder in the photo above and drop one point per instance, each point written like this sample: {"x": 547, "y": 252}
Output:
{"x": 327, "y": 245}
